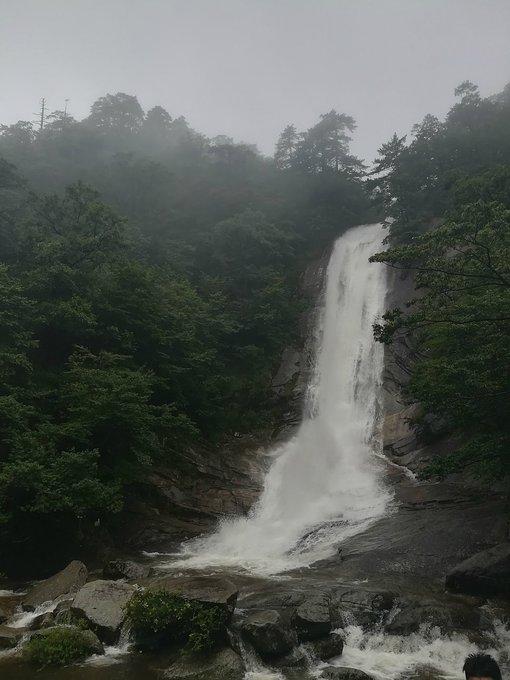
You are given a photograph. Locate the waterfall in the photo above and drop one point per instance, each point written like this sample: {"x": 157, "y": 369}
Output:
{"x": 323, "y": 485}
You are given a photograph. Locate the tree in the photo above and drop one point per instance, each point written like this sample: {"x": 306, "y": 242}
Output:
{"x": 459, "y": 326}
{"x": 12, "y": 198}
{"x": 158, "y": 121}
{"x": 286, "y": 148}
{"x": 468, "y": 92}
{"x": 58, "y": 122}
{"x": 222, "y": 140}
{"x": 17, "y": 139}
{"x": 382, "y": 180}
{"x": 418, "y": 187}
{"x": 156, "y": 130}
{"x": 325, "y": 146}
{"x": 120, "y": 113}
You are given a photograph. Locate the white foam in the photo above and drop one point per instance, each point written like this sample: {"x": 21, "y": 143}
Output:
{"x": 387, "y": 657}
{"x": 23, "y": 619}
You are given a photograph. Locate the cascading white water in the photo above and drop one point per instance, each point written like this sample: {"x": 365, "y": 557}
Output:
{"x": 323, "y": 485}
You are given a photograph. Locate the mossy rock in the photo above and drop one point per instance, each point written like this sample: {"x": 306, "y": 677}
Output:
{"x": 158, "y": 619}
{"x": 61, "y": 645}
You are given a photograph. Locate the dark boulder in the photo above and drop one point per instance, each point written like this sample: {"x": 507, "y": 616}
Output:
{"x": 327, "y": 648}
{"x": 132, "y": 571}
{"x": 45, "y": 620}
{"x": 312, "y": 619}
{"x": 224, "y": 665}
{"x": 486, "y": 574}
{"x": 296, "y": 660}
{"x": 267, "y": 634}
{"x": 365, "y": 607}
{"x": 66, "y": 617}
{"x": 448, "y": 617}
{"x": 63, "y": 616}
{"x": 103, "y": 605}
{"x": 345, "y": 673}
{"x": 8, "y": 606}
{"x": 9, "y": 637}
{"x": 69, "y": 580}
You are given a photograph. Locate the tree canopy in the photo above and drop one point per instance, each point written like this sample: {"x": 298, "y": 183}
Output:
{"x": 448, "y": 192}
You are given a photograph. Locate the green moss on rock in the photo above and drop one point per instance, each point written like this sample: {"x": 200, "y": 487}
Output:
{"x": 158, "y": 618}
{"x": 60, "y": 646}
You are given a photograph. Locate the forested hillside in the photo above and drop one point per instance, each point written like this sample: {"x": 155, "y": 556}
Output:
{"x": 448, "y": 192}
{"x": 149, "y": 283}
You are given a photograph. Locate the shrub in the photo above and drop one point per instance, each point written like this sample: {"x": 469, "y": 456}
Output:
{"x": 58, "y": 647}
{"x": 158, "y": 618}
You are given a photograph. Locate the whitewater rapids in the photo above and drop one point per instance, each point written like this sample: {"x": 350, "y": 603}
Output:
{"x": 324, "y": 484}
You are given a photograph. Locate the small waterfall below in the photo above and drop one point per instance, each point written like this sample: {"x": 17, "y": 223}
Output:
{"x": 323, "y": 485}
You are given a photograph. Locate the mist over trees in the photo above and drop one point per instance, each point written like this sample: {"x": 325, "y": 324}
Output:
{"x": 149, "y": 284}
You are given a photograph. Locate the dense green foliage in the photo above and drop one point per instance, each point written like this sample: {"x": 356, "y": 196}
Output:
{"x": 158, "y": 618}
{"x": 147, "y": 313}
{"x": 459, "y": 323}
{"x": 323, "y": 147}
{"x": 416, "y": 182}
{"x": 59, "y": 646}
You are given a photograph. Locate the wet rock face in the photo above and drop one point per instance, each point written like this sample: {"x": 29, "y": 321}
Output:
{"x": 46, "y": 620}
{"x": 267, "y": 634}
{"x": 132, "y": 571}
{"x": 448, "y": 617}
{"x": 204, "y": 589}
{"x": 334, "y": 673}
{"x": 8, "y": 605}
{"x": 366, "y": 607}
{"x": 486, "y": 574}
{"x": 398, "y": 432}
{"x": 103, "y": 605}
{"x": 312, "y": 619}
{"x": 224, "y": 665}
{"x": 9, "y": 637}
{"x": 69, "y": 580}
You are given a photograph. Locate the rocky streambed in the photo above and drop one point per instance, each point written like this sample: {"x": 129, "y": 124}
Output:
{"x": 407, "y": 598}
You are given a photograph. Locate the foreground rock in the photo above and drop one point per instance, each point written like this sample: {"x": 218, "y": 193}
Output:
{"x": 312, "y": 619}
{"x": 328, "y": 648}
{"x": 267, "y": 634}
{"x": 8, "y": 606}
{"x": 132, "y": 571}
{"x": 89, "y": 638}
{"x": 9, "y": 637}
{"x": 45, "y": 620}
{"x": 366, "y": 607}
{"x": 449, "y": 618}
{"x": 103, "y": 605}
{"x": 487, "y": 573}
{"x": 334, "y": 673}
{"x": 224, "y": 665}
{"x": 69, "y": 580}
{"x": 204, "y": 589}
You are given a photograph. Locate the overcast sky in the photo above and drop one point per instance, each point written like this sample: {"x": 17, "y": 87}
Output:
{"x": 247, "y": 68}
